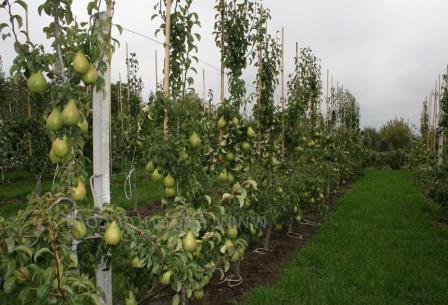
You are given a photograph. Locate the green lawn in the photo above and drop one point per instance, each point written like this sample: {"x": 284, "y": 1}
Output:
{"x": 380, "y": 247}
{"x": 13, "y": 195}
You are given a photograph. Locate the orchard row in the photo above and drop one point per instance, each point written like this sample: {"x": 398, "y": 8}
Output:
{"x": 215, "y": 165}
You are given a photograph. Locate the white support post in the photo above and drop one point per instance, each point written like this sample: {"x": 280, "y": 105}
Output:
{"x": 101, "y": 163}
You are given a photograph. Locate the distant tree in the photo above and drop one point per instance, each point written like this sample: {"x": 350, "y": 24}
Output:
{"x": 424, "y": 122}
{"x": 444, "y": 107}
{"x": 371, "y": 138}
{"x": 396, "y": 134}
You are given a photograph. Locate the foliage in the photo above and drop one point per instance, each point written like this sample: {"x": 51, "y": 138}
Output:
{"x": 396, "y": 134}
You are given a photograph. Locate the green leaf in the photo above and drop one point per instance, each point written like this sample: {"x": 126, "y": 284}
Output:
{"x": 40, "y": 252}
{"x": 19, "y": 20}
{"x": 10, "y": 244}
{"x": 9, "y": 284}
{"x": 3, "y": 25}
{"x": 22, "y": 4}
{"x": 119, "y": 28}
{"x": 24, "y": 249}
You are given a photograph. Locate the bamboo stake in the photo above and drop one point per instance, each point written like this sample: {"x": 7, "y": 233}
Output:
{"x": 157, "y": 71}
{"x": 166, "y": 80}
{"x": 30, "y": 144}
{"x": 203, "y": 85}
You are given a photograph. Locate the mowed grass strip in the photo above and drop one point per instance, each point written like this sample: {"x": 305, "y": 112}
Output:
{"x": 380, "y": 247}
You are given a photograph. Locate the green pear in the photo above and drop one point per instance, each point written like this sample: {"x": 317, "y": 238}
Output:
{"x": 60, "y": 147}
{"x": 37, "y": 83}
{"x": 54, "y": 120}
{"x": 80, "y": 63}
{"x": 189, "y": 242}
{"x": 71, "y": 114}
{"x": 90, "y": 76}
{"x": 112, "y": 235}
{"x": 79, "y": 192}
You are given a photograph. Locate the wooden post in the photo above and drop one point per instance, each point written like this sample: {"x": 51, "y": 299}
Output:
{"x": 101, "y": 163}
{"x": 282, "y": 73}
{"x": 166, "y": 79}
{"x": 327, "y": 99}
{"x": 120, "y": 101}
{"x": 297, "y": 50}
{"x": 128, "y": 73}
{"x": 157, "y": 71}
{"x": 223, "y": 17}
{"x": 428, "y": 140}
{"x": 440, "y": 132}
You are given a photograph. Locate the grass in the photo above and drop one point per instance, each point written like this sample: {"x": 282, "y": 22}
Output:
{"x": 13, "y": 194}
{"x": 379, "y": 247}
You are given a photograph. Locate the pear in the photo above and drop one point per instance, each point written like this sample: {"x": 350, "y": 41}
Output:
{"x": 137, "y": 263}
{"x": 168, "y": 181}
{"x": 230, "y": 178}
{"x": 230, "y": 156}
{"x": 54, "y": 159}
{"x": 195, "y": 140}
{"x": 60, "y": 147}
{"x": 36, "y": 83}
{"x": 130, "y": 299}
{"x": 235, "y": 257}
{"x": 165, "y": 279}
{"x": 250, "y": 132}
{"x": 170, "y": 192}
{"x": 252, "y": 230}
{"x": 79, "y": 192}
{"x": 235, "y": 121}
{"x": 80, "y": 63}
{"x": 71, "y": 114}
{"x": 229, "y": 244}
{"x": 150, "y": 167}
{"x": 233, "y": 232}
{"x": 112, "y": 236}
{"x": 156, "y": 176}
{"x": 84, "y": 126}
{"x": 54, "y": 120}
{"x": 189, "y": 242}
{"x": 245, "y": 146}
{"x": 79, "y": 230}
{"x": 274, "y": 161}
{"x": 199, "y": 294}
{"x": 222, "y": 123}
{"x": 223, "y": 176}
{"x": 90, "y": 76}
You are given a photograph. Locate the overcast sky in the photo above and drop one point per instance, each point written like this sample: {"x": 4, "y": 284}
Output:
{"x": 388, "y": 53}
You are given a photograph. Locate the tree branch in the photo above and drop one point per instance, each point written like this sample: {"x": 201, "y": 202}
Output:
{"x": 57, "y": 33}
